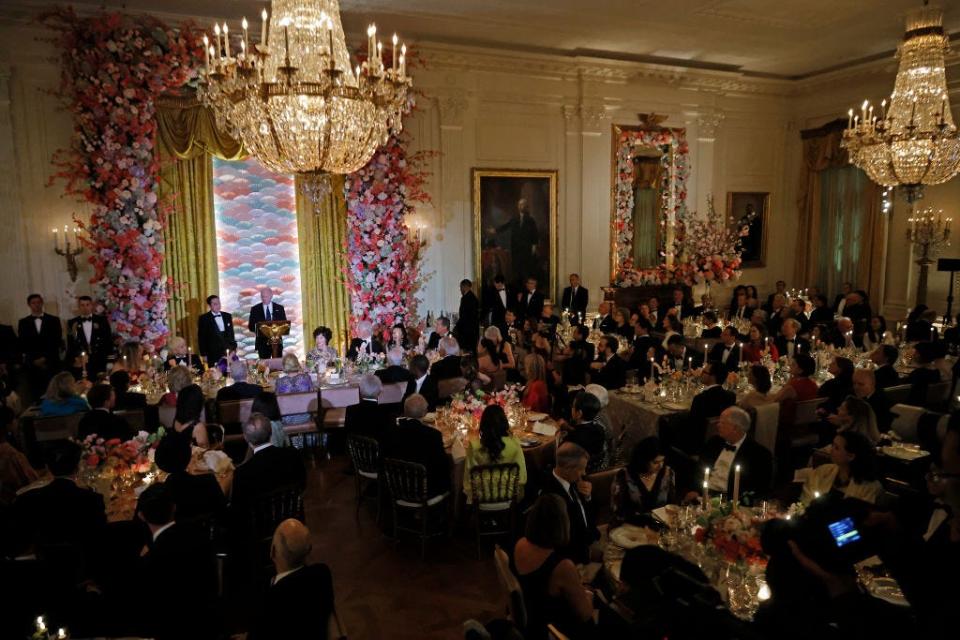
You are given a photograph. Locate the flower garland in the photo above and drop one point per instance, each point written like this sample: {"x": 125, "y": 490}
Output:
{"x": 113, "y": 68}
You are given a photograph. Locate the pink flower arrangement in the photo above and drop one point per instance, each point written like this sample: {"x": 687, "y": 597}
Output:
{"x": 712, "y": 246}
{"x": 734, "y": 534}
{"x": 474, "y": 403}
{"x": 118, "y": 456}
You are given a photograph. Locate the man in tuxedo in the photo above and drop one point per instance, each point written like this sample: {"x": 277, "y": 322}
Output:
{"x": 777, "y": 314}
{"x": 368, "y": 417}
{"x": 707, "y": 404}
{"x": 822, "y": 314}
{"x": 441, "y": 329}
{"x": 195, "y": 495}
{"x": 731, "y": 448}
{"x": 300, "y": 600}
{"x": 530, "y": 300}
{"x": 240, "y": 389}
{"x": 586, "y": 431}
{"x": 789, "y": 342}
{"x": 580, "y": 354}
{"x": 421, "y": 382}
{"x": 524, "y": 239}
{"x": 449, "y": 365}
{"x": 394, "y": 371}
{"x": 642, "y": 348}
{"x": 780, "y": 291}
{"x": 865, "y": 388}
{"x": 843, "y": 336}
{"x": 566, "y": 480}
{"x": 496, "y": 302}
{"x": 575, "y": 298}
{"x": 682, "y": 306}
{"x": 266, "y": 311}
{"x": 89, "y": 340}
{"x": 467, "y": 330}
{"x": 610, "y": 372}
{"x": 711, "y": 328}
{"x": 413, "y": 441}
{"x": 269, "y": 469}
{"x": 840, "y": 302}
{"x": 548, "y": 321}
{"x": 41, "y": 338}
{"x": 605, "y": 322}
{"x": 679, "y": 358}
{"x": 215, "y": 332}
{"x": 741, "y": 308}
{"x": 885, "y": 357}
{"x": 365, "y": 342}
{"x": 100, "y": 419}
{"x": 858, "y": 311}
{"x": 653, "y": 304}
{"x": 798, "y": 312}
{"x": 727, "y": 351}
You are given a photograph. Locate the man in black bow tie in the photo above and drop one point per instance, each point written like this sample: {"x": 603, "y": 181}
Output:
{"x": 788, "y": 342}
{"x": 41, "y": 338}
{"x": 215, "y": 332}
{"x": 89, "y": 340}
{"x": 727, "y": 350}
{"x": 365, "y": 342}
{"x": 731, "y": 448}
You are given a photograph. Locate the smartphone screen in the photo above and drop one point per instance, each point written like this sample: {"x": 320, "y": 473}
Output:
{"x": 844, "y": 532}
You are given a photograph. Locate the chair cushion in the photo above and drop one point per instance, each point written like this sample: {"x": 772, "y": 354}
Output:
{"x": 432, "y": 501}
{"x": 494, "y": 506}
{"x": 372, "y": 475}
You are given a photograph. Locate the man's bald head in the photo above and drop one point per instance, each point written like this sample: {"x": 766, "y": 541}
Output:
{"x": 291, "y": 545}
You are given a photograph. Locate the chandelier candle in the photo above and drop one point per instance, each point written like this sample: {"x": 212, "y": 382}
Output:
{"x": 263, "y": 28}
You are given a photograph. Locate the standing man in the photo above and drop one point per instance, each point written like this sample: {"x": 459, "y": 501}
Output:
{"x": 467, "y": 330}
{"x": 531, "y": 300}
{"x": 91, "y": 335}
{"x": 497, "y": 301}
{"x": 575, "y": 298}
{"x": 215, "y": 332}
{"x": 266, "y": 311}
{"x": 524, "y": 239}
{"x": 41, "y": 337}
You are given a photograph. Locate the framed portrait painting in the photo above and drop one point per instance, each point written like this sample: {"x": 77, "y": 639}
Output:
{"x": 740, "y": 206}
{"x": 515, "y": 228}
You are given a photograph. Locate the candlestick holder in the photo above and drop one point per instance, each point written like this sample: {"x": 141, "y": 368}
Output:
{"x": 69, "y": 251}
{"x": 929, "y": 232}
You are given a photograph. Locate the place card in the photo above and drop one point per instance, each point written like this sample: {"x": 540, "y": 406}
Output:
{"x": 544, "y": 429}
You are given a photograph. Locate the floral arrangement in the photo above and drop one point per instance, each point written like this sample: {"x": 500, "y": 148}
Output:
{"x": 113, "y": 67}
{"x": 117, "y": 456}
{"x": 712, "y": 247}
{"x": 367, "y": 362}
{"x": 475, "y": 402}
{"x": 733, "y": 533}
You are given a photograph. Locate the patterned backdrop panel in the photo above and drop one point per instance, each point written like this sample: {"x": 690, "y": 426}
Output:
{"x": 257, "y": 245}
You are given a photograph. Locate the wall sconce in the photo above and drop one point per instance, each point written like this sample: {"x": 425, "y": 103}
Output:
{"x": 68, "y": 251}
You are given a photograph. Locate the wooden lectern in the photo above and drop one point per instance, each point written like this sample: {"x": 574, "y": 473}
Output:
{"x": 274, "y": 330}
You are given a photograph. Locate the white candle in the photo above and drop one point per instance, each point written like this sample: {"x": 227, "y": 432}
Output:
{"x": 263, "y": 28}
{"x": 403, "y": 61}
{"x": 380, "y": 56}
{"x": 736, "y": 484}
{"x": 206, "y": 52}
{"x": 246, "y": 34}
{"x": 394, "y": 63}
{"x": 56, "y": 240}
{"x": 850, "y": 119}
{"x": 216, "y": 35}
{"x": 226, "y": 39}
{"x": 706, "y": 494}
{"x": 371, "y": 44}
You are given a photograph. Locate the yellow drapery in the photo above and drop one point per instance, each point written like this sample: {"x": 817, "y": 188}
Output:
{"x": 821, "y": 151}
{"x": 322, "y": 234}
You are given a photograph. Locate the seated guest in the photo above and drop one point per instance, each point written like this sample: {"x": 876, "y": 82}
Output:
{"x": 731, "y": 448}
{"x": 322, "y": 352}
{"x": 645, "y": 484}
{"x": 851, "y": 471}
{"x": 547, "y": 320}
{"x": 502, "y": 348}
{"x": 495, "y": 446}
{"x": 100, "y": 419}
{"x": 448, "y": 366}
{"x": 843, "y": 336}
{"x": 839, "y": 387}
{"x": 679, "y": 358}
{"x": 180, "y": 560}
{"x": 799, "y": 388}
{"x": 759, "y": 317}
{"x": 707, "y": 404}
{"x": 740, "y": 309}
{"x": 611, "y": 371}
{"x": 132, "y": 359}
{"x": 710, "y": 327}
{"x": 15, "y": 470}
{"x": 877, "y": 334}
{"x": 300, "y": 601}
{"x": 543, "y": 345}
{"x": 422, "y": 382}
{"x": 781, "y": 291}
{"x": 269, "y": 468}
{"x": 394, "y": 371}
{"x": 294, "y": 380}
{"x": 441, "y": 329}
{"x": 61, "y": 398}
{"x": 798, "y": 313}
{"x": 855, "y": 414}
{"x": 179, "y": 355}
{"x": 413, "y": 441}
{"x": 621, "y": 323}
{"x": 840, "y": 301}
{"x": 194, "y": 495}
{"x": 586, "y": 432}
{"x": 59, "y": 512}
{"x": 368, "y": 417}
{"x": 603, "y": 419}
{"x": 822, "y": 314}
{"x": 865, "y": 388}
{"x": 579, "y": 354}
{"x": 178, "y": 379}
{"x": 536, "y": 395}
{"x": 487, "y": 359}
{"x": 240, "y": 389}
{"x": 885, "y": 357}
{"x": 566, "y": 480}
{"x": 398, "y": 338}
{"x": 789, "y": 342}
{"x": 188, "y": 421}
{"x": 920, "y": 324}
{"x": 120, "y": 381}
{"x": 681, "y": 307}
{"x": 924, "y": 375}
{"x": 759, "y": 394}
{"x": 758, "y": 344}
{"x": 727, "y": 351}
{"x": 476, "y": 379}
{"x": 605, "y": 322}
{"x": 642, "y": 347}
{"x": 552, "y": 589}
{"x": 777, "y": 313}
{"x": 266, "y": 403}
{"x": 654, "y": 312}
{"x": 365, "y": 343}
{"x": 671, "y": 327}
{"x": 858, "y": 310}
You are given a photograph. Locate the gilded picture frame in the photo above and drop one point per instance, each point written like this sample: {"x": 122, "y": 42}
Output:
{"x": 503, "y": 240}
{"x": 754, "y": 244}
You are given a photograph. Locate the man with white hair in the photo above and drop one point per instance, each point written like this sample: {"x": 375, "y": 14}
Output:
{"x": 730, "y": 449}
{"x": 567, "y": 481}
{"x": 266, "y": 311}
{"x": 788, "y": 342}
{"x": 365, "y": 342}
{"x": 394, "y": 371}
{"x": 368, "y": 417}
{"x": 240, "y": 389}
{"x": 269, "y": 469}
{"x": 843, "y": 337}
{"x": 300, "y": 600}
{"x": 449, "y": 365}
{"x": 413, "y": 441}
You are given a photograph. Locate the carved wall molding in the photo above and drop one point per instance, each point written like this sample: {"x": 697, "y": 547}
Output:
{"x": 708, "y": 121}
{"x": 452, "y": 103}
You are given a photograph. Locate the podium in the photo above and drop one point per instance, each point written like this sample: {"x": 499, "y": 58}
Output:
{"x": 274, "y": 330}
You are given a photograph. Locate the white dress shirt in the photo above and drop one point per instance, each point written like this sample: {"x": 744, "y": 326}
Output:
{"x": 268, "y": 311}
{"x": 218, "y": 318}
{"x": 937, "y": 518}
{"x": 88, "y": 330}
{"x": 840, "y": 307}
{"x": 38, "y": 322}
{"x": 727, "y": 350}
{"x": 260, "y": 447}
{"x": 156, "y": 534}
{"x": 720, "y": 473}
{"x": 280, "y": 576}
{"x": 503, "y": 297}
{"x": 420, "y": 381}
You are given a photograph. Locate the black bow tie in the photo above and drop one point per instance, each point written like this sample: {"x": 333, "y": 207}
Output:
{"x": 86, "y": 319}
{"x": 791, "y": 340}
{"x": 216, "y": 315}
{"x": 729, "y": 447}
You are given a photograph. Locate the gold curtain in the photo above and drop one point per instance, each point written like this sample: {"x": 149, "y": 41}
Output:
{"x": 821, "y": 151}
{"x": 322, "y": 234}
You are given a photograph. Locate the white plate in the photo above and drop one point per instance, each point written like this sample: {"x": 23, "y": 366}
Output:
{"x": 536, "y": 417}
{"x": 629, "y": 536}
{"x": 904, "y": 454}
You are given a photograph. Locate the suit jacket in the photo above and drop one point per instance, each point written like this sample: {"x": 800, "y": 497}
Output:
{"x": 195, "y": 495}
{"x": 212, "y": 342}
{"x": 756, "y": 465}
{"x": 46, "y": 344}
{"x": 367, "y": 418}
{"x": 434, "y": 341}
{"x": 799, "y": 343}
{"x": 239, "y": 391}
{"x": 413, "y": 441}
{"x": 592, "y": 437}
{"x": 428, "y": 390}
{"x": 686, "y": 309}
{"x": 733, "y": 359}
{"x": 467, "y": 330}
{"x": 712, "y": 334}
{"x": 583, "y": 524}
{"x": 495, "y": 308}
{"x": 105, "y": 424}
{"x": 577, "y": 303}
{"x": 99, "y": 347}
{"x": 9, "y": 346}
{"x": 689, "y": 359}
{"x": 393, "y": 373}
{"x": 860, "y": 315}
{"x": 257, "y": 315}
{"x": 607, "y": 324}
{"x": 446, "y": 368}
{"x": 707, "y": 404}
{"x": 530, "y": 308}
{"x": 356, "y": 345}
{"x": 821, "y": 315}
{"x": 642, "y": 346}
{"x": 58, "y": 513}
{"x": 881, "y": 410}
{"x": 298, "y": 606}
{"x": 613, "y": 375}
{"x": 887, "y": 376}
{"x": 269, "y": 469}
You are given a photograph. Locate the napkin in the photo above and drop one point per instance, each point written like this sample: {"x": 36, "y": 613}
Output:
{"x": 544, "y": 429}
{"x": 457, "y": 451}
{"x": 217, "y": 461}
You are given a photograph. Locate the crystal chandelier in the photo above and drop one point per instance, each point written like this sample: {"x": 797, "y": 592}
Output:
{"x": 914, "y": 142}
{"x": 293, "y": 99}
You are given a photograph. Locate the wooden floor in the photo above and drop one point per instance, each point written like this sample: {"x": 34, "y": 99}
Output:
{"x": 384, "y": 590}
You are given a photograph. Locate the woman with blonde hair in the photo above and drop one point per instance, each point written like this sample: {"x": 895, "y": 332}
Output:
{"x": 179, "y": 354}
{"x": 536, "y": 395}
{"x": 294, "y": 380}
{"x": 61, "y": 398}
{"x": 178, "y": 378}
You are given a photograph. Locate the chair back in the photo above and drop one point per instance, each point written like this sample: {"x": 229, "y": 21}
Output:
{"x": 495, "y": 483}
{"x": 602, "y": 482}
{"x": 136, "y": 418}
{"x": 365, "y": 454}
{"x": 166, "y": 416}
{"x": 905, "y": 421}
{"x": 511, "y": 588}
{"x": 339, "y": 396}
{"x": 450, "y": 387}
{"x": 271, "y": 508}
{"x": 765, "y": 425}
{"x": 499, "y": 379}
{"x": 806, "y": 411}
{"x": 407, "y": 481}
{"x": 937, "y": 393}
{"x": 392, "y": 393}
{"x": 234, "y": 411}
{"x": 297, "y": 403}
{"x": 57, "y": 427}
{"x": 897, "y": 394}
{"x": 275, "y": 364}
